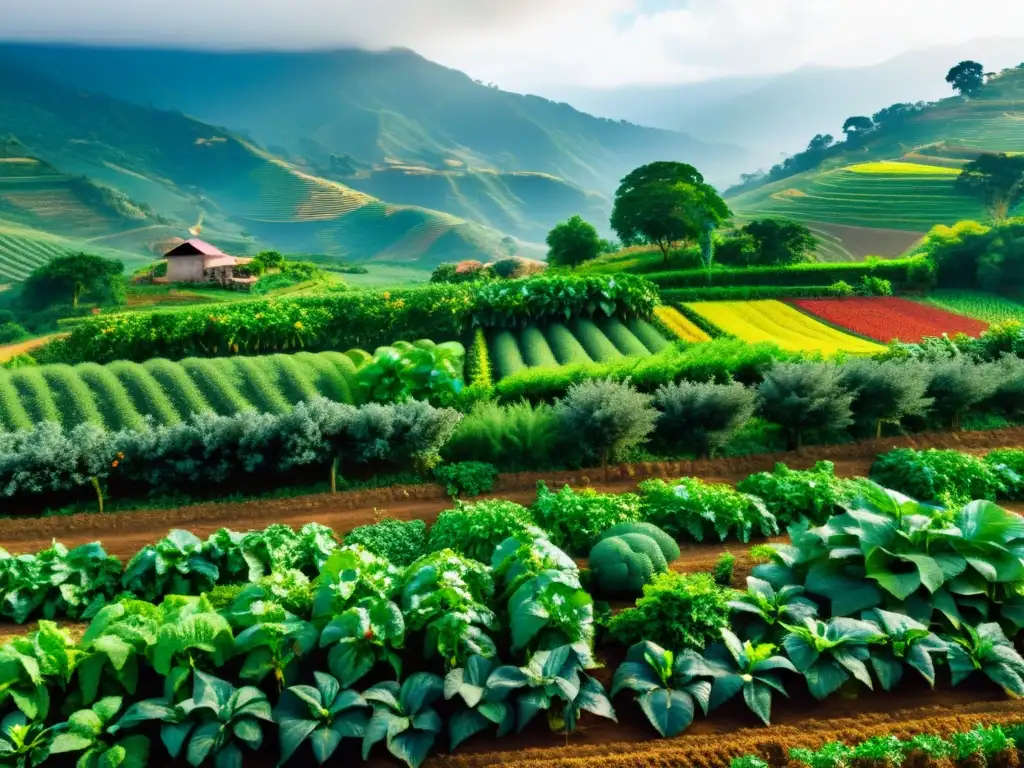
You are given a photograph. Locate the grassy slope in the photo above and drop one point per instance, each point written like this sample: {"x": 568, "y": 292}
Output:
{"x": 863, "y": 213}
{"x": 244, "y": 195}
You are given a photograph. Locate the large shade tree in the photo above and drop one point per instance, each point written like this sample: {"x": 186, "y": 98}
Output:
{"x": 666, "y": 203}
{"x": 997, "y": 180}
{"x": 66, "y": 279}
{"x": 573, "y": 242}
{"x": 967, "y": 77}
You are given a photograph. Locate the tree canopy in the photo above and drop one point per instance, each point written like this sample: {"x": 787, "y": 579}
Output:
{"x": 665, "y": 203}
{"x": 997, "y": 180}
{"x": 69, "y": 278}
{"x": 858, "y": 126}
{"x": 769, "y": 242}
{"x": 573, "y": 242}
{"x": 967, "y": 77}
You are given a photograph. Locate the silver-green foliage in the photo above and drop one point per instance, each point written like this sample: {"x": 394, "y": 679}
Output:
{"x": 623, "y": 564}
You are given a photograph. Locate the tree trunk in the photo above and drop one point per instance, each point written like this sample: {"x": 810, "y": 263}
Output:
{"x": 878, "y": 430}
{"x": 334, "y": 475}
{"x": 664, "y": 252}
{"x": 74, "y": 297}
{"x": 99, "y": 493}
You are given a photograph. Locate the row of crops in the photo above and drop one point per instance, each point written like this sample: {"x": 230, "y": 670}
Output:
{"x": 122, "y": 395}
{"x": 578, "y": 341}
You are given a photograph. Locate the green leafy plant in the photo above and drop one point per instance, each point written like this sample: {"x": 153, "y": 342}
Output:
{"x": 350, "y": 574}
{"x": 909, "y": 643}
{"x": 986, "y": 649}
{"x": 275, "y": 647}
{"x": 191, "y": 636}
{"x": 668, "y": 546}
{"x": 790, "y": 494}
{"x": 432, "y": 374}
{"x": 474, "y": 530}
{"x": 553, "y": 681}
{"x": 23, "y": 743}
{"x": 701, "y": 417}
{"x": 175, "y": 565}
{"x": 398, "y": 541}
{"x": 113, "y": 648}
{"x": 669, "y": 687}
{"x": 828, "y": 654}
{"x": 84, "y": 732}
{"x": 519, "y": 558}
{"x": 692, "y": 508}
{"x": 607, "y": 417}
{"x": 370, "y": 632}
{"x": 753, "y": 669}
{"x": 210, "y": 724}
{"x": 945, "y": 477}
{"x": 32, "y": 664}
{"x": 551, "y": 609}
{"x": 574, "y": 520}
{"x": 676, "y": 611}
{"x": 403, "y": 717}
{"x": 466, "y": 478}
{"x": 483, "y": 706}
{"x": 767, "y": 610}
{"x": 805, "y": 398}
{"x": 323, "y": 715}
{"x": 724, "y": 566}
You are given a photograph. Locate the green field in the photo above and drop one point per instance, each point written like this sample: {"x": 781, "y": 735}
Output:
{"x": 578, "y": 341}
{"x": 22, "y": 250}
{"x": 983, "y": 306}
{"x": 121, "y": 395}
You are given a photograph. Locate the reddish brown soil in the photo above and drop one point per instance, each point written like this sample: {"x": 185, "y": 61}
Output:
{"x": 125, "y": 533}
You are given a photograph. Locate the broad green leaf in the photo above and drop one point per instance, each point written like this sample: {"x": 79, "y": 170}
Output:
{"x": 670, "y": 712}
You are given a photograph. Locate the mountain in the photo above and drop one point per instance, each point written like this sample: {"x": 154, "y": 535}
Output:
{"x": 881, "y": 195}
{"x": 137, "y": 160}
{"x": 778, "y": 115}
{"x": 367, "y": 111}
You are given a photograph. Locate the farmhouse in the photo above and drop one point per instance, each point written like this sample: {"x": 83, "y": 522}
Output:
{"x": 195, "y": 261}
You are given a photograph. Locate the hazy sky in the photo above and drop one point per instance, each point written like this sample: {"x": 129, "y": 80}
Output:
{"x": 531, "y": 44}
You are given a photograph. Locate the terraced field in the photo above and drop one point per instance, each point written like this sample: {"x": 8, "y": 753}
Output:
{"x": 122, "y": 395}
{"x": 22, "y": 250}
{"x": 579, "y": 341}
{"x": 886, "y": 318}
{"x": 780, "y": 323}
{"x": 981, "y": 306}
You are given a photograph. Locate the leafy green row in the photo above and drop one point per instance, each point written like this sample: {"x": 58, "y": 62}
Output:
{"x": 950, "y": 477}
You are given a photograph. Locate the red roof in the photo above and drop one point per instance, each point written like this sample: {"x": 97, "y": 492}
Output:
{"x": 195, "y": 247}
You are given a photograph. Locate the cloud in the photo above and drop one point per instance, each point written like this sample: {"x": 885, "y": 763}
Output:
{"x": 530, "y": 44}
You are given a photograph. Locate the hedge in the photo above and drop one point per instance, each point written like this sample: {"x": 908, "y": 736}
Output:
{"x": 746, "y": 293}
{"x": 902, "y": 273}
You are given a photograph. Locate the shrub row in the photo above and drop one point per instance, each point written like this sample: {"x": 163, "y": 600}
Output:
{"x": 344, "y": 320}
{"x": 902, "y": 273}
{"x": 746, "y": 293}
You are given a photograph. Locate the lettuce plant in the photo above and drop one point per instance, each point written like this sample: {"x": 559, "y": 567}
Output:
{"x": 85, "y": 731}
{"x": 766, "y": 609}
{"x": 348, "y": 575}
{"x": 275, "y": 647}
{"x": 483, "y": 706}
{"x": 370, "y": 632}
{"x": 191, "y": 636}
{"x": 175, "y": 565}
{"x": 117, "y": 640}
{"x": 33, "y": 664}
{"x": 403, "y": 717}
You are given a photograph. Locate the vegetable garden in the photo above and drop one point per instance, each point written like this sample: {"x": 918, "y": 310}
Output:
{"x": 405, "y": 639}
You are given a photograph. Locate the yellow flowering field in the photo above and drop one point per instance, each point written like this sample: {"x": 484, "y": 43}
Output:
{"x": 898, "y": 168}
{"x": 774, "y": 321}
{"x": 684, "y": 328}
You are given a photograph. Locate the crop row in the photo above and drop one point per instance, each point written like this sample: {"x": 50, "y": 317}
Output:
{"x": 123, "y": 395}
{"x": 888, "y": 318}
{"x": 282, "y": 639}
{"x": 578, "y": 341}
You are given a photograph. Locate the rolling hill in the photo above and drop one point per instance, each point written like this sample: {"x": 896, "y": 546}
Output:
{"x": 375, "y": 108}
{"x": 187, "y": 171}
{"x": 883, "y": 195}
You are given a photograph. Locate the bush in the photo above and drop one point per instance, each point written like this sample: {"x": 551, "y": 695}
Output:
{"x": 11, "y": 333}
{"x": 1009, "y": 465}
{"x": 957, "y": 386}
{"x": 840, "y": 289}
{"x": 885, "y": 392}
{"x": 606, "y": 417}
{"x": 478, "y": 361}
{"x": 467, "y": 478}
{"x": 669, "y": 547}
{"x": 874, "y": 286}
{"x": 676, "y": 611}
{"x": 474, "y": 530}
{"x": 724, "y": 566}
{"x": 942, "y": 477}
{"x": 513, "y": 437}
{"x": 902, "y": 273}
{"x": 400, "y": 542}
{"x": 575, "y": 520}
{"x": 622, "y": 565}
{"x": 691, "y": 508}
{"x": 703, "y": 416}
{"x": 792, "y": 494}
{"x": 805, "y": 397}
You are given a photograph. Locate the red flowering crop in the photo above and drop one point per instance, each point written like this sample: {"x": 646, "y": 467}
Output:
{"x": 887, "y": 318}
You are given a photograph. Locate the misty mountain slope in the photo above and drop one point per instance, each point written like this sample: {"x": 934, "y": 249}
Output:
{"x": 186, "y": 171}
{"x": 378, "y": 108}
{"x": 902, "y": 177}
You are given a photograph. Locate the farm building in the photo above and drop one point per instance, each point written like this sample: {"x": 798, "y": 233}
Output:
{"x": 195, "y": 261}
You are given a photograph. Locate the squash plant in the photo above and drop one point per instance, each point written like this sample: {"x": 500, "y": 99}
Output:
{"x": 323, "y": 715}
{"x": 986, "y": 649}
{"x": 209, "y": 724}
{"x": 403, "y": 717}
{"x": 669, "y": 687}
{"x": 827, "y": 654}
{"x": 553, "y": 681}
{"x": 370, "y": 632}
{"x": 753, "y": 669}
{"x": 483, "y": 706}
{"x": 84, "y": 733}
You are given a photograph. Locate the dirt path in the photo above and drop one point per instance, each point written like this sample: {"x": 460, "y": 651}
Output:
{"x": 125, "y": 533}
{"x": 24, "y": 347}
